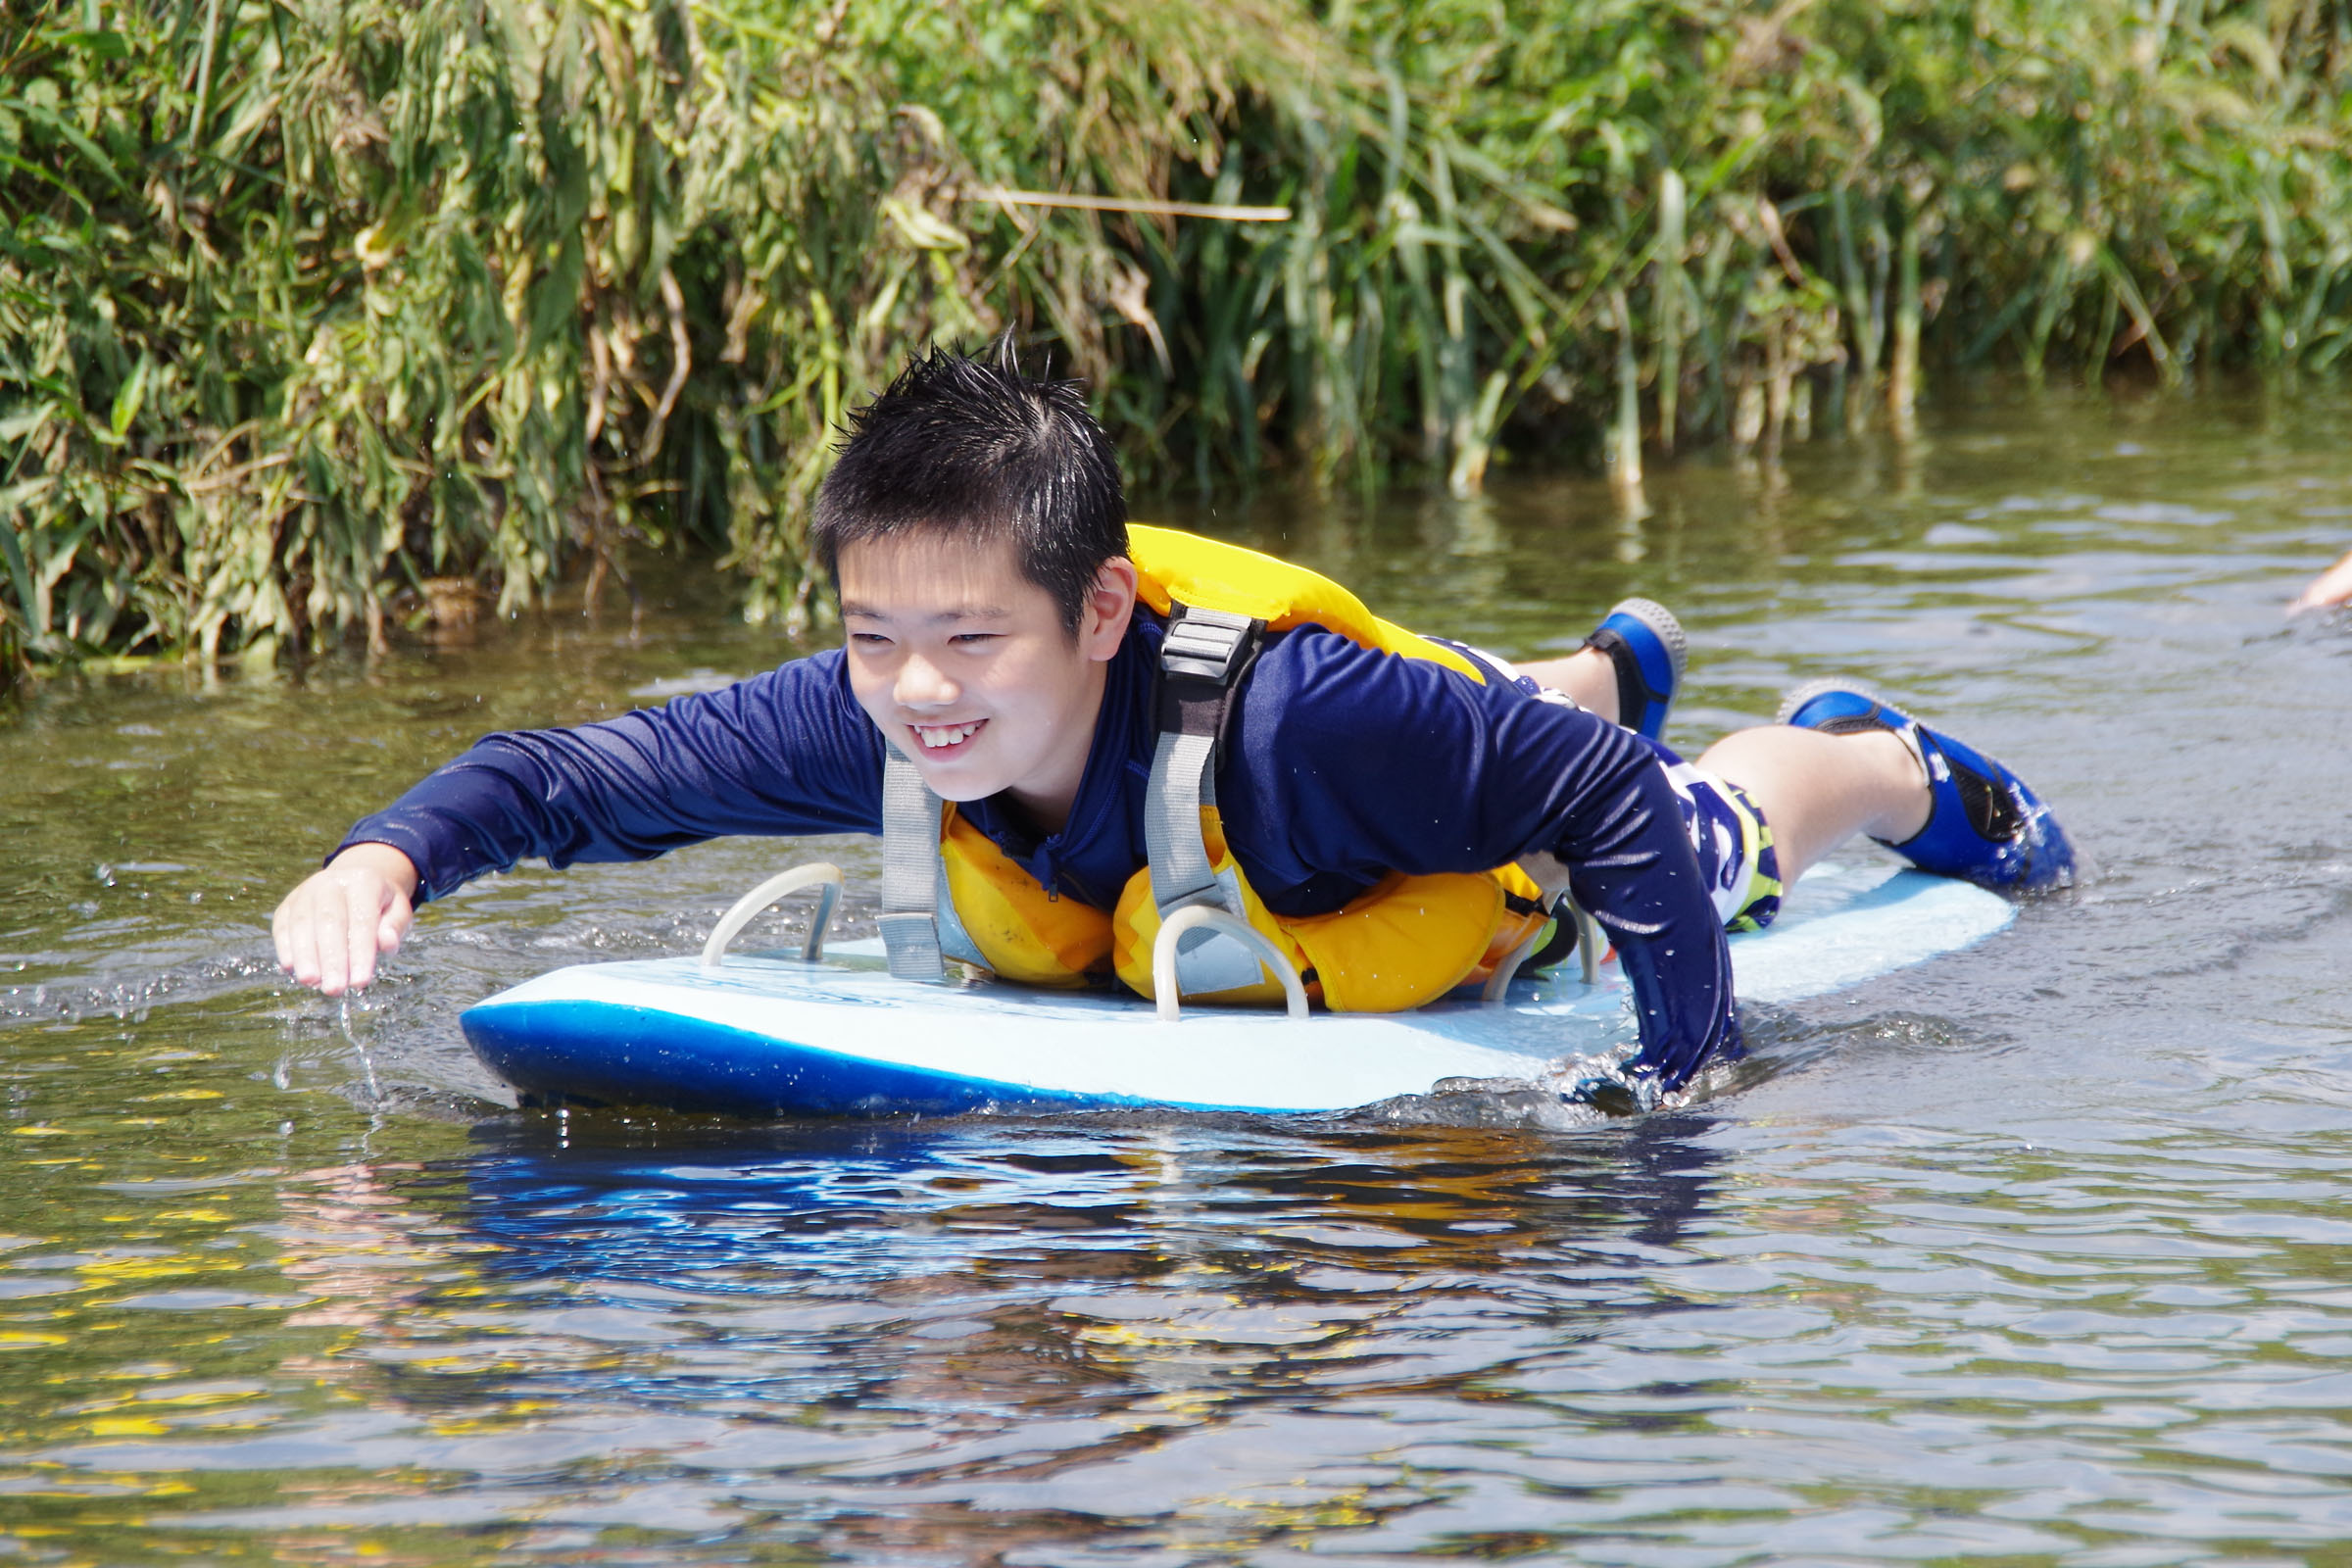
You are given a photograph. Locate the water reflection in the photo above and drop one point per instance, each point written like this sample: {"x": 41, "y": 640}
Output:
{"x": 1064, "y": 1271}
{"x": 1098, "y": 1316}
{"x": 590, "y": 1198}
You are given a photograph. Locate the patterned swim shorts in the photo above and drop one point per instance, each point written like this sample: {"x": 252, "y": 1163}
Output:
{"x": 1733, "y": 844}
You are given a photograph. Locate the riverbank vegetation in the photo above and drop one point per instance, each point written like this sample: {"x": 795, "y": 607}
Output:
{"x": 316, "y": 317}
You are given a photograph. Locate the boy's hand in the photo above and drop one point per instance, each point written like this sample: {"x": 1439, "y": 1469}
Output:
{"x": 2331, "y": 587}
{"x": 330, "y": 929}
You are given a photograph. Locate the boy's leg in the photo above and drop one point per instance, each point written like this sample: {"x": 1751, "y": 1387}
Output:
{"x": 1629, "y": 670}
{"x": 1585, "y": 675}
{"x": 1844, "y": 760}
{"x": 1816, "y": 791}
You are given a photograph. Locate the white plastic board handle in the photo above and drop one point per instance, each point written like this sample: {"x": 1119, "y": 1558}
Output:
{"x": 820, "y": 875}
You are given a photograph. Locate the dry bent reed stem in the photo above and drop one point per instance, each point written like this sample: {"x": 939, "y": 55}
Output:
{"x": 315, "y": 312}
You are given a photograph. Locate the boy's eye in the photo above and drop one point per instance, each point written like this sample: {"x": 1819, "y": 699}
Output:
{"x": 972, "y": 639}
{"x": 869, "y": 639}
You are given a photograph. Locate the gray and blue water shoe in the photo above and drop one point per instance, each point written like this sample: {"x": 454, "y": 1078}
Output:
{"x": 1983, "y": 823}
{"x": 1646, "y": 645}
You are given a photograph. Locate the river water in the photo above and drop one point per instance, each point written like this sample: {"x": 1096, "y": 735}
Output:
{"x": 2036, "y": 1254}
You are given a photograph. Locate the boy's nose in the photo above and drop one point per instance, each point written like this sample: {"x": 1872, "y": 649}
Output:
{"x": 923, "y": 684}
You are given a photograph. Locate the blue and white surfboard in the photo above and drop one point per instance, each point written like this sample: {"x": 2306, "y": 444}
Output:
{"x": 769, "y": 1035}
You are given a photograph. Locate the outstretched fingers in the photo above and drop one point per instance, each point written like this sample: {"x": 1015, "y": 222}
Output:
{"x": 281, "y": 937}
{"x": 363, "y": 909}
{"x": 393, "y": 928}
{"x": 331, "y": 943}
{"x": 296, "y": 927}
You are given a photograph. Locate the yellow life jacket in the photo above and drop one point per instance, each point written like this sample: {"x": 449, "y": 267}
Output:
{"x": 1407, "y": 941}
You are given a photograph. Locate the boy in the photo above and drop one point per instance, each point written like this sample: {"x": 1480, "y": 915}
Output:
{"x": 1391, "y": 812}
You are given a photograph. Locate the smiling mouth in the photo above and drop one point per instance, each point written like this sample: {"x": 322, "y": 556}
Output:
{"x": 946, "y": 737}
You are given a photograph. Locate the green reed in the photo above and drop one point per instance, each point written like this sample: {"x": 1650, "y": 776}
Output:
{"x": 314, "y": 316}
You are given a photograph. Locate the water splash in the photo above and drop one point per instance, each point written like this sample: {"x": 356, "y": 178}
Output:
{"x": 375, "y": 1090}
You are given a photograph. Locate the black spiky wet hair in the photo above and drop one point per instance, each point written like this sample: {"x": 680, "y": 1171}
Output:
{"x": 968, "y": 447}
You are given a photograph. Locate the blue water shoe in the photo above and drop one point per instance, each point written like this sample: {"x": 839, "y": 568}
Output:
{"x": 1983, "y": 823}
{"x": 1646, "y": 644}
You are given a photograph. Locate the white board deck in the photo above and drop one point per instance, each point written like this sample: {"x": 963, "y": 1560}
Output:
{"x": 767, "y": 1035}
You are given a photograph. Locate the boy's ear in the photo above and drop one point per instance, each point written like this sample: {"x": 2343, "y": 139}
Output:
{"x": 1109, "y": 607}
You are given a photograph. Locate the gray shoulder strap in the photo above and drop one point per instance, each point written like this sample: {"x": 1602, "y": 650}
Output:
{"x": 910, "y": 871}
{"x": 1182, "y": 780}
{"x": 1202, "y": 658}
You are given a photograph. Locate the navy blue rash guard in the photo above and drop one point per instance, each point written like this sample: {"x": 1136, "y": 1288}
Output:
{"x": 1340, "y": 765}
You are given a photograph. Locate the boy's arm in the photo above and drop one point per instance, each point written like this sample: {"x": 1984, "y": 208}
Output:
{"x": 784, "y": 753}
{"x": 1632, "y": 867}
{"x": 1372, "y": 762}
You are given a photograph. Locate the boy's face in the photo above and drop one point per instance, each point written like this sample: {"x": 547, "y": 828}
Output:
{"x": 965, "y": 666}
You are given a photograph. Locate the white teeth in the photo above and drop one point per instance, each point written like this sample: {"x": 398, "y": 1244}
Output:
{"x": 934, "y": 737}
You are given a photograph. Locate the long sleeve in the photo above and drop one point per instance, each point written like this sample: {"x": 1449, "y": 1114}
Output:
{"x": 1349, "y": 762}
{"x": 784, "y": 753}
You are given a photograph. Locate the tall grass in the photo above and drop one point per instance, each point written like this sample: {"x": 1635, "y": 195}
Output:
{"x": 316, "y": 316}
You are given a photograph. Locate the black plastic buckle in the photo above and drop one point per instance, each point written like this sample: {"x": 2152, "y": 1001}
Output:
{"x": 1207, "y": 643}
